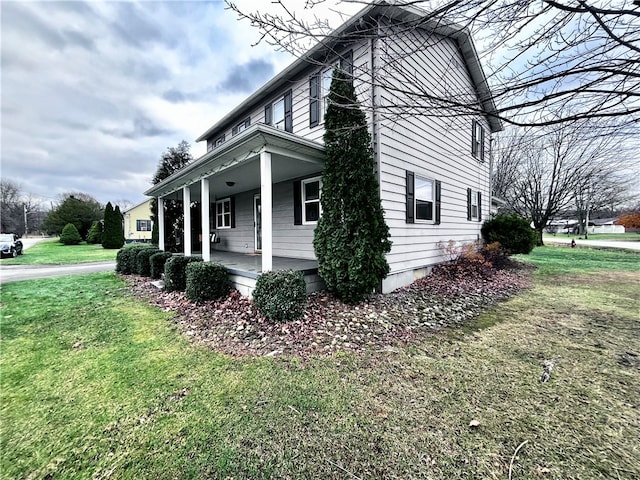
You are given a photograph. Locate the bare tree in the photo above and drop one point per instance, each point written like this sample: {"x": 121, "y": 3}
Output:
{"x": 543, "y": 171}
{"x": 547, "y": 62}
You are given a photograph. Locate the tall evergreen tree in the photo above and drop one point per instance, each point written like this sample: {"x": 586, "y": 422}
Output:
{"x": 351, "y": 238}
{"x": 174, "y": 159}
{"x": 112, "y": 233}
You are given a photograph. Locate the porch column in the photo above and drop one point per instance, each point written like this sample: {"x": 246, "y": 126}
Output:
{"x": 186, "y": 209}
{"x": 206, "y": 233}
{"x": 160, "y": 220}
{"x": 266, "y": 197}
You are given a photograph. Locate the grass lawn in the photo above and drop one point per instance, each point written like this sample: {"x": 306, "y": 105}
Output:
{"x": 626, "y": 237}
{"x": 96, "y": 384}
{"x": 54, "y": 252}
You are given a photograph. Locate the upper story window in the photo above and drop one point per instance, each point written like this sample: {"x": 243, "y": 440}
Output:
{"x": 279, "y": 113}
{"x": 477, "y": 140}
{"x": 211, "y": 144}
{"x": 320, "y": 84}
{"x": 241, "y": 126}
{"x": 143, "y": 225}
{"x": 327, "y": 76}
{"x": 311, "y": 208}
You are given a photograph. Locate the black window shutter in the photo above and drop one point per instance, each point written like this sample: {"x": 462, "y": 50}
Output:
{"x": 410, "y": 198}
{"x": 234, "y": 130}
{"x": 232, "y": 201}
{"x": 267, "y": 114}
{"x": 314, "y": 102}
{"x": 481, "y": 144}
{"x": 438, "y": 203}
{"x": 468, "y": 204}
{"x": 288, "y": 115}
{"x": 479, "y": 206}
{"x": 346, "y": 62}
{"x": 297, "y": 203}
{"x": 473, "y": 139}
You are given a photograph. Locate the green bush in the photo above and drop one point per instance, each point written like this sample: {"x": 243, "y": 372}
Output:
{"x": 126, "y": 258}
{"x": 207, "y": 281}
{"x": 70, "y": 235}
{"x": 281, "y": 296}
{"x": 157, "y": 261}
{"x": 175, "y": 272}
{"x": 143, "y": 264}
{"x": 94, "y": 236}
{"x": 512, "y": 231}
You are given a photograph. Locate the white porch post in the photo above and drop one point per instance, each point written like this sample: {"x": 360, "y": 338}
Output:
{"x": 160, "y": 223}
{"x": 266, "y": 194}
{"x": 204, "y": 202}
{"x": 186, "y": 208}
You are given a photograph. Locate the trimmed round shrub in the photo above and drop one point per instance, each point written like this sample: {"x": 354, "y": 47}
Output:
{"x": 157, "y": 261}
{"x": 206, "y": 281}
{"x": 175, "y": 272}
{"x": 512, "y": 231}
{"x": 70, "y": 235}
{"x": 143, "y": 265}
{"x": 126, "y": 258}
{"x": 281, "y": 296}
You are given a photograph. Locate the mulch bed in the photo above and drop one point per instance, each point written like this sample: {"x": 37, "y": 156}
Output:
{"x": 233, "y": 326}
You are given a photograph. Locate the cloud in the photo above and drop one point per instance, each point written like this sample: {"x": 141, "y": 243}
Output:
{"x": 248, "y": 77}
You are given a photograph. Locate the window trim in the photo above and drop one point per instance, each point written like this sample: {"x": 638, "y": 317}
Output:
{"x": 219, "y": 216}
{"x": 474, "y": 205}
{"x": 477, "y": 140}
{"x": 240, "y": 127}
{"x": 304, "y": 201}
{"x": 146, "y": 222}
{"x": 432, "y": 200}
{"x": 273, "y": 123}
{"x": 410, "y": 203}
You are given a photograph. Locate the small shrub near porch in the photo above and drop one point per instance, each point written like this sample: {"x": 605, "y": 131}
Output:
{"x": 157, "y": 262}
{"x": 206, "y": 281}
{"x": 143, "y": 261}
{"x": 175, "y": 272}
{"x": 280, "y": 296}
{"x": 126, "y": 258}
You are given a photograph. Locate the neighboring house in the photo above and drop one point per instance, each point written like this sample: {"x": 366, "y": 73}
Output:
{"x": 137, "y": 223}
{"x": 605, "y": 225}
{"x": 257, "y": 189}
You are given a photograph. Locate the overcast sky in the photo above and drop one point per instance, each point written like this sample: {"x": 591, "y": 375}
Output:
{"x": 93, "y": 93}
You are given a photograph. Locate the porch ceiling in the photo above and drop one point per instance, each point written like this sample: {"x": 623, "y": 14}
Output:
{"x": 237, "y": 161}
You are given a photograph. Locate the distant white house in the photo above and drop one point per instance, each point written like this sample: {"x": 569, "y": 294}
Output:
{"x": 137, "y": 223}
{"x": 257, "y": 189}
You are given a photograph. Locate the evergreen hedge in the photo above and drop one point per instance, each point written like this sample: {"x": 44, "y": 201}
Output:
{"x": 175, "y": 272}
{"x": 70, "y": 235}
{"x": 206, "y": 281}
{"x": 126, "y": 258}
{"x": 143, "y": 263}
{"x": 281, "y": 296}
{"x": 157, "y": 261}
{"x": 513, "y": 232}
{"x": 94, "y": 236}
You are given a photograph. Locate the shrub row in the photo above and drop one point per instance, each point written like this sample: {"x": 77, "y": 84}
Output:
{"x": 126, "y": 258}
{"x": 175, "y": 272}
{"x": 280, "y": 296}
{"x": 206, "y": 281}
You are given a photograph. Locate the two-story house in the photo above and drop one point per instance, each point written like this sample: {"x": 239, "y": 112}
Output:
{"x": 257, "y": 189}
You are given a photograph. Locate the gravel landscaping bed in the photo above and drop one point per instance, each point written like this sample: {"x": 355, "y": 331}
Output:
{"x": 232, "y": 325}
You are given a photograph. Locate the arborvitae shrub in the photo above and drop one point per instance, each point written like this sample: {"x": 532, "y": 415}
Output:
{"x": 126, "y": 258}
{"x": 143, "y": 265}
{"x": 281, "y": 296}
{"x": 95, "y": 233}
{"x": 175, "y": 272}
{"x": 512, "y": 231}
{"x": 207, "y": 281}
{"x": 70, "y": 235}
{"x": 157, "y": 261}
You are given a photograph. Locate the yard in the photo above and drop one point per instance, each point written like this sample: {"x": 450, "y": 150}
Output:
{"x": 97, "y": 384}
{"x": 52, "y": 251}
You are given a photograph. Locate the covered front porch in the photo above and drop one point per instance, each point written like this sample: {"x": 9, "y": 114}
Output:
{"x": 238, "y": 205}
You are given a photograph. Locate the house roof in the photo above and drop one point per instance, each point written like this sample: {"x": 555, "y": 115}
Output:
{"x": 243, "y": 149}
{"x": 137, "y": 205}
{"x": 353, "y": 28}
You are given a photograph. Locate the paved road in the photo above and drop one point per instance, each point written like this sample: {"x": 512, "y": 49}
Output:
{"x": 595, "y": 243}
{"x": 14, "y": 273}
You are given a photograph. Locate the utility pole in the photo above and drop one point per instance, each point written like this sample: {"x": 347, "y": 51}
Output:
{"x": 24, "y": 205}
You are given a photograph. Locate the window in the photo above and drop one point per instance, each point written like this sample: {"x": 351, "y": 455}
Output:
{"x": 143, "y": 225}
{"x": 422, "y": 199}
{"x": 311, "y": 209}
{"x": 319, "y": 86}
{"x": 474, "y": 205}
{"x": 223, "y": 213}
{"x": 241, "y": 126}
{"x": 325, "y": 87}
{"x": 477, "y": 140}
{"x": 219, "y": 141}
{"x": 278, "y": 114}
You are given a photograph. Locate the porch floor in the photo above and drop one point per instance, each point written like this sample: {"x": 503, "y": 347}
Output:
{"x": 250, "y": 264}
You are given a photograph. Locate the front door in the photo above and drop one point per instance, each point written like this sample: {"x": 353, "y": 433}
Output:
{"x": 257, "y": 222}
